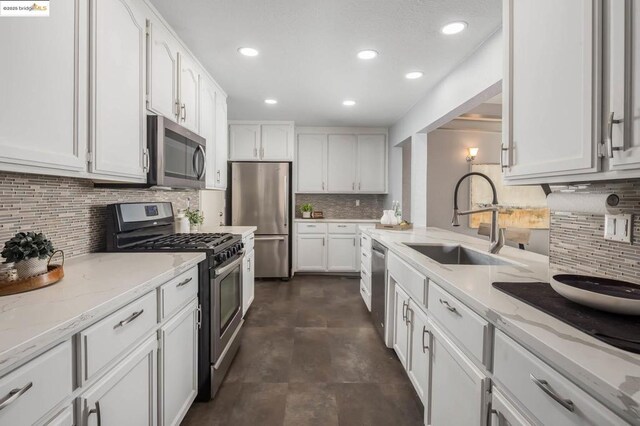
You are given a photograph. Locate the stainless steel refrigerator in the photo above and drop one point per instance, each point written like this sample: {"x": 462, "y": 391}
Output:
{"x": 260, "y": 196}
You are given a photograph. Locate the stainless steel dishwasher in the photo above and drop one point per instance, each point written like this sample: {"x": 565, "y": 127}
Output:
{"x": 378, "y": 286}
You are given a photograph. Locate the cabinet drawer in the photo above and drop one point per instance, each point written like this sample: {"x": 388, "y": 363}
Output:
{"x": 109, "y": 337}
{"x": 312, "y": 228}
{"x": 548, "y": 395}
{"x": 366, "y": 295}
{"x": 37, "y": 386}
{"x": 365, "y": 260}
{"x": 469, "y": 328}
{"x": 249, "y": 242}
{"x": 63, "y": 418}
{"x": 365, "y": 277}
{"x": 177, "y": 292}
{"x": 408, "y": 278}
{"x": 342, "y": 228}
{"x": 365, "y": 243}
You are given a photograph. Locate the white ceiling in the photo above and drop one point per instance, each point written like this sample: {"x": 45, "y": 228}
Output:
{"x": 308, "y": 52}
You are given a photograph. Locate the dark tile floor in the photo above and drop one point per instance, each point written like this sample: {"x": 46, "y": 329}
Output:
{"x": 310, "y": 356}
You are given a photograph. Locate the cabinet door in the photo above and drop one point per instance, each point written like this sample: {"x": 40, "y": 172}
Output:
{"x": 208, "y": 96}
{"x": 400, "y": 327}
{"x": 419, "y": 362}
{"x": 312, "y": 163}
{"x": 311, "y": 252}
{"x": 276, "y": 142}
{"x": 178, "y": 365}
{"x": 244, "y": 142}
{"x": 372, "y": 163}
{"x": 454, "y": 378}
{"x": 162, "y": 70}
{"x": 503, "y": 413}
{"x": 189, "y": 90}
{"x": 248, "y": 281}
{"x": 118, "y": 125}
{"x": 43, "y": 87}
{"x": 341, "y": 163}
{"x": 341, "y": 254}
{"x": 624, "y": 87}
{"x": 551, "y": 88}
{"x": 127, "y": 394}
{"x": 222, "y": 143}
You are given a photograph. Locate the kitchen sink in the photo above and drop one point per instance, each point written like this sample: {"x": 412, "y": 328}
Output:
{"x": 453, "y": 254}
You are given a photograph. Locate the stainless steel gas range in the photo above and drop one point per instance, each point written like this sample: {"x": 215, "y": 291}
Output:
{"x": 150, "y": 227}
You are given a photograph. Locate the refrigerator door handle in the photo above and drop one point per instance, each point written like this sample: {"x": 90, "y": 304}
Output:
{"x": 267, "y": 238}
{"x": 286, "y": 201}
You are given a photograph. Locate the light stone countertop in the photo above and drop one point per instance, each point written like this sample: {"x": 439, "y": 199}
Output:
{"x": 609, "y": 374}
{"x": 240, "y": 230}
{"x": 94, "y": 286}
{"x": 332, "y": 220}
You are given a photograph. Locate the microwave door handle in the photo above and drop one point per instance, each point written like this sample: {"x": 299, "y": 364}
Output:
{"x": 200, "y": 173}
{"x": 204, "y": 161}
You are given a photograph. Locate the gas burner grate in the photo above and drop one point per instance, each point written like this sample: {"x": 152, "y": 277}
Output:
{"x": 189, "y": 241}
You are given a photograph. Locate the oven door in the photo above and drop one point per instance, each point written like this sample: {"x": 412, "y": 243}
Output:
{"x": 226, "y": 303}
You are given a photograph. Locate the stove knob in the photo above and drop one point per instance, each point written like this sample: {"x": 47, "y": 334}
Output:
{"x": 222, "y": 256}
{"x": 233, "y": 250}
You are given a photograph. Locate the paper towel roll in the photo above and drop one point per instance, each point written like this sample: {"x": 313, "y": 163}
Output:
{"x": 581, "y": 202}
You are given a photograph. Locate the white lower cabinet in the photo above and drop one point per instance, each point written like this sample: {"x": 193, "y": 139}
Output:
{"x": 503, "y": 413}
{"x": 341, "y": 254}
{"x": 418, "y": 363}
{"x": 459, "y": 389}
{"x": 311, "y": 252}
{"x": 178, "y": 368}
{"x": 63, "y": 418}
{"x": 400, "y": 326}
{"x": 127, "y": 394}
{"x": 248, "y": 280}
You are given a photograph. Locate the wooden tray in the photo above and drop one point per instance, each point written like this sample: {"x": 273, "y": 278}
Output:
{"x": 54, "y": 274}
{"x": 404, "y": 227}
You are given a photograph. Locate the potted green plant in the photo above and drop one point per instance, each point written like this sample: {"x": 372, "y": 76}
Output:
{"x": 29, "y": 252}
{"x": 306, "y": 210}
{"x": 195, "y": 218}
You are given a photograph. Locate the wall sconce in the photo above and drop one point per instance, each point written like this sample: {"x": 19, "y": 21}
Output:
{"x": 471, "y": 154}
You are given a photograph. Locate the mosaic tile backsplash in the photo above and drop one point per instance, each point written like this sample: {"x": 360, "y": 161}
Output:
{"x": 576, "y": 243}
{"x": 343, "y": 206}
{"x": 70, "y": 211}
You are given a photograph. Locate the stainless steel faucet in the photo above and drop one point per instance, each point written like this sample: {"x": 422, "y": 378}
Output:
{"x": 496, "y": 237}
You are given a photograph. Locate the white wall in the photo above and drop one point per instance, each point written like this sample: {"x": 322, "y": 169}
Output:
{"x": 464, "y": 88}
{"x": 419, "y": 179}
{"x": 446, "y": 163}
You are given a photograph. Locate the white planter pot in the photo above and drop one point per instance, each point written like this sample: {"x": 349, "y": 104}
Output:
{"x": 195, "y": 228}
{"x": 306, "y": 215}
{"x": 31, "y": 267}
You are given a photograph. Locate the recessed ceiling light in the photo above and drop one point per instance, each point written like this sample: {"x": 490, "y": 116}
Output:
{"x": 367, "y": 54}
{"x": 414, "y": 74}
{"x": 271, "y": 101}
{"x": 454, "y": 28}
{"x": 248, "y": 51}
{"x": 348, "y": 102}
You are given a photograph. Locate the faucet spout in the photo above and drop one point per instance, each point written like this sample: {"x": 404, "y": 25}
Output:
{"x": 496, "y": 237}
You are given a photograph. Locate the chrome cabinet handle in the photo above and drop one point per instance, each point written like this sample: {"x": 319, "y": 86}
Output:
{"x": 448, "y": 306}
{"x": 145, "y": 159}
{"x": 342, "y": 226}
{"x": 249, "y": 264}
{"x": 323, "y": 186}
{"x": 127, "y": 320}
{"x": 359, "y": 184}
{"x": 218, "y": 173}
{"x": 323, "y": 241}
{"x": 502, "y": 162}
{"x": 544, "y": 385}
{"x": 405, "y": 305}
{"x": 610, "y": 147}
{"x": 354, "y": 242}
{"x": 311, "y": 226}
{"x": 96, "y": 411}
{"x": 353, "y": 186}
{"x": 183, "y": 108}
{"x": 185, "y": 282}
{"x": 255, "y": 152}
{"x": 177, "y": 112}
{"x": 199, "y": 319}
{"x": 424, "y": 346}
{"x": 408, "y": 320}
{"x": 13, "y": 395}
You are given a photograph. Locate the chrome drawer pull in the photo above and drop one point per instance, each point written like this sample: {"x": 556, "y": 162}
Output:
{"x": 448, "y": 306}
{"x": 14, "y": 394}
{"x": 405, "y": 305}
{"x": 129, "y": 319}
{"x": 185, "y": 282}
{"x": 424, "y": 347}
{"x": 97, "y": 412}
{"x": 408, "y": 321}
{"x": 544, "y": 385}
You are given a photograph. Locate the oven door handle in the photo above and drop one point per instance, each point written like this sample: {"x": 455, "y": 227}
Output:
{"x": 224, "y": 270}
{"x": 276, "y": 238}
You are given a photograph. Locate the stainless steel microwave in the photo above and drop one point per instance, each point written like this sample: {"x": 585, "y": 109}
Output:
{"x": 177, "y": 156}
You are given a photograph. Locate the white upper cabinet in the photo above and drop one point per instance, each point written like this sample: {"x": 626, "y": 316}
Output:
{"x": 208, "y": 95}
{"x": 162, "y": 70}
{"x": 622, "y": 122}
{"x": 341, "y": 158}
{"x": 265, "y": 141}
{"x": 551, "y": 88}
{"x": 372, "y": 163}
{"x": 43, "y": 89}
{"x": 312, "y": 163}
{"x": 221, "y": 151}
{"x": 276, "y": 142}
{"x": 244, "y": 142}
{"x": 189, "y": 83}
{"x": 118, "y": 121}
